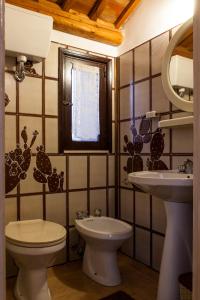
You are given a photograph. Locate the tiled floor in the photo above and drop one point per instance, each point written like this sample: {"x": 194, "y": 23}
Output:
{"x": 68, "y": 282}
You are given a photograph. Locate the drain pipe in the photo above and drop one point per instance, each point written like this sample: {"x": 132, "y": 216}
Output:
{"x": 20, "y": 72}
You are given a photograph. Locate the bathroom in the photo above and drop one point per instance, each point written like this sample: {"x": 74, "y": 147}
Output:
{"x": 64, "y": 182}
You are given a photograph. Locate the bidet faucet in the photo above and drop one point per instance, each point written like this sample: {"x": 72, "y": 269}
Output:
{"x": 187, "y": 167}
{"x": 81, "y": 214}
{"x": 97, "y": 212}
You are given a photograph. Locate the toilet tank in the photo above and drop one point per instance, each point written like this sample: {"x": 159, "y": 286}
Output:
{"x": 27, "y": 33}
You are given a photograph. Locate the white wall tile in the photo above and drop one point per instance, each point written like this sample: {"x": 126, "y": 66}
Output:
{"x": 142, "y": 62}
{"x": 10, "y": 133}
{"x": 10, "y": 210}
{"x": 56, "y": 208}
{"x": 77, "y": 202}
{"x": 10, "y": 90}
{"x": 51, "y": 135}
{"x": 98, "y": 200}
{"x": 126, "y": 203}
{"x": 126, "y": 68}
{"x": 126, "y": 103}
{"x": 77, "y": 172}
{"x": 159, "y": 46}
{"x": 30, "y": 95}
{"x": 142, "y": 209}
{"x": 141, "y": 99}
{"x": 51, "y": 97}
{"x": 31, "y": 207}
{"x": 51, "y": 63}
{"x": 127, "y": 247}
{"x": 111, "y": 200}
{"x": 160, "y": 102}
{"x": 142, "y": 251}
{"x": 182, "y": 140}
{"x": 158, "y": 215}
{"x": 97, "y": 171}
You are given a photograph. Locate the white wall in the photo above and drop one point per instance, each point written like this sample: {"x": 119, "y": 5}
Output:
{"x": 79, "y": 42}
{"x": 152, "y": 18}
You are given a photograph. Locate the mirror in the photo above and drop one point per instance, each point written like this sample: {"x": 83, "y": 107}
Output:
{"x": 177, "y": 68}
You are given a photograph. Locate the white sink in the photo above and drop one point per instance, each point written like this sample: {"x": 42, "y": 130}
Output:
{"x": 167, "y": 185}
{"x": 176, "y": 191}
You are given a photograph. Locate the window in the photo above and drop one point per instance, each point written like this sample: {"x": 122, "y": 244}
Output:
{"x": 84, "y": 102}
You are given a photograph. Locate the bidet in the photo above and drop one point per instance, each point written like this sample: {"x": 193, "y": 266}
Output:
{"x": 103, "y": 236}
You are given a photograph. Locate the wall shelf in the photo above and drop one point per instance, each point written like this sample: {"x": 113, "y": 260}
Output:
{"x": 182, "y": 121}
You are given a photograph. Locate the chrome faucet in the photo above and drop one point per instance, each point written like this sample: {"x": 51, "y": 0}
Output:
{"x": 81, "y": 214}
{"x": 97, "y": 212}
{"x": 187, "y": 167}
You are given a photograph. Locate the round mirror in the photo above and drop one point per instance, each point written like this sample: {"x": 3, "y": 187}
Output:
{"x": 177, "y": 68}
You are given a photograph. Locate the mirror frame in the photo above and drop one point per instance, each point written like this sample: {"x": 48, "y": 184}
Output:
{"x": 169, "y": 91}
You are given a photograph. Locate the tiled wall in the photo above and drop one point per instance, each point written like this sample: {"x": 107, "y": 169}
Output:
{"x": 89, "y": 178}
{"x": 140, "y": 90}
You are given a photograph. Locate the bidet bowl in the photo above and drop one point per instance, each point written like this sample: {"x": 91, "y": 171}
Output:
{"x": 103, "y": 236}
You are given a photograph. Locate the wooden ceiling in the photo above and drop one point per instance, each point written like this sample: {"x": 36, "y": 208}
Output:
{"x": 185, "y": 45}
{"x": 99, "y": 20}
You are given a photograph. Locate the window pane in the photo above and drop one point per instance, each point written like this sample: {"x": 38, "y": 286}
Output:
{"x": 85, "y": 99}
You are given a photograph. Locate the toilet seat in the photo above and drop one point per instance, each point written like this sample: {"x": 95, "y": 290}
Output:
{"x": 35, "y": 233}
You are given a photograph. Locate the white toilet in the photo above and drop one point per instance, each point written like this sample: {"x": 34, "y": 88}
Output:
{"x": 34, "y": 244}
{"x": 103, "y": 236}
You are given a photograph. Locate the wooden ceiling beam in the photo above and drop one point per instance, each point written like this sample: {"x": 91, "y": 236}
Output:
{"x": 97, "y": 9}
{"x": 67, "y": 4}
{"x": 74, "y": 23}
{"x": 128, "y": 10}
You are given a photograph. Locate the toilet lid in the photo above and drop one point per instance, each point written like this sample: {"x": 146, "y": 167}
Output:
{"x": 34, "y": 232}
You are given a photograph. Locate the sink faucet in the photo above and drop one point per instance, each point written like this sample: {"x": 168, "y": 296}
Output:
{"x": 187, "y": 167}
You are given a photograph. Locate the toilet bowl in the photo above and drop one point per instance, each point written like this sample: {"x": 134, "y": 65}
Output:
{"x": 103, "y": 236}
{"x": 33, "y": 244}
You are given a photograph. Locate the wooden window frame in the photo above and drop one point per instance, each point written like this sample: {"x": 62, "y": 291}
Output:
{"x": 65, "y": 107}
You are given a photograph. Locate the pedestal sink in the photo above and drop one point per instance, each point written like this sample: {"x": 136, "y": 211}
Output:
{"x": 176, "y": 190}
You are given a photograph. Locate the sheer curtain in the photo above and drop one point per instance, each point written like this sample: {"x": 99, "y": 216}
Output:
{"x": 85, "y": 99}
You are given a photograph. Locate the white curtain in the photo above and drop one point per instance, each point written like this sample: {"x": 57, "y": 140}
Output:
{"x": 85, "y": 99}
